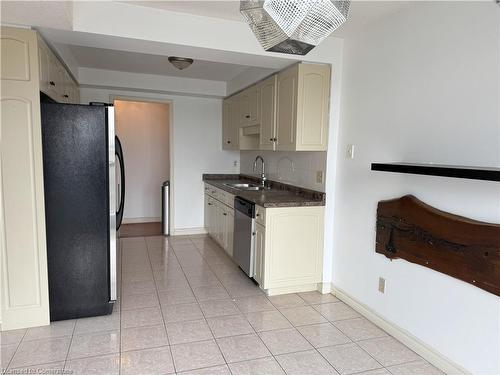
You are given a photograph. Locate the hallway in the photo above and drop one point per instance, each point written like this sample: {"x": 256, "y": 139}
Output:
{"x": 186, "y": 308}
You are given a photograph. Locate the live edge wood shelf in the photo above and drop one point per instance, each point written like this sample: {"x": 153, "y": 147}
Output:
{"x": 463, "y": 248}
{"x": 474, "y": 173}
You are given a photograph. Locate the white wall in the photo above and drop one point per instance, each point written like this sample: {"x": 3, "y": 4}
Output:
{"x": 143, "y": 129}
{"x": 196, "y": 148}
{"x": 422, "y": 86}
{"x": 296, "y": 168}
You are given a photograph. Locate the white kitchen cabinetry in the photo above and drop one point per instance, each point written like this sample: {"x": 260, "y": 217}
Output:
{"x": 55, "y": 80}
{"x": 250, "y": 106}
{"x": 260, "y": 243}
{"x": 289, "y": 249}
{"x": 219, "y": 217}
{"x": 229, "y": 124}
{"x": 302, "y": 108}
{"x": 24, "y": 295}
{"x": 287, "y": 111}
{"x": 268, "y": 113}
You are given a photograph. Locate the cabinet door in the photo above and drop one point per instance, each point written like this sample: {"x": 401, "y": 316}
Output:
{"x": 313, "y": 107}
{"x": 254, "y": 110}
{"x": 211, "y": 218}
{"x": 54, "y": 81}
{"x": 286, "y": 109}
{"x": 44, "y": 66}
{"x": 66, "y": 96}
{"x": 260, "y": 240}
{"x": 206, "y": 212}
{"x": 229, "y": 231}
{"x": 220, "y": 219}
{"x": 244, "y": 108}
{"x": 268, "y": 113}
{"x": 235, "y": 115}
{"x": 230, "y": 124}
{"x": 24, "y": 296}
{"x": 77, "y": 94}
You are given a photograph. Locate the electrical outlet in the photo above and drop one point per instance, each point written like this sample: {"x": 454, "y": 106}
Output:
{"x": 350, "y": 152}
{"x": 381, "y": 285}
{"x": 235, "y": 163}
{"x": 319, "y": 177}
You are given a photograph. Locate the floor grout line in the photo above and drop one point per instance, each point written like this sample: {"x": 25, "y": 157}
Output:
{"x": 166, "y": 248}
{"x": 159, "y": 302}
{"x": 198, "y": 302}
{"x": 15, "y": 351}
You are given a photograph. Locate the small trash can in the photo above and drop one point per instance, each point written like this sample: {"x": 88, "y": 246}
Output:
{"x": 165, "y": 208}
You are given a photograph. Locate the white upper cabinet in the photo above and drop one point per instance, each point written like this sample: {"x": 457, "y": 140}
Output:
{"x": 267, "y": 134}
{"x": 313, "y": 98}
{"x": 229, "y": 124}
{"x": 287, "y": 111}
{"x": 55, "y": 80}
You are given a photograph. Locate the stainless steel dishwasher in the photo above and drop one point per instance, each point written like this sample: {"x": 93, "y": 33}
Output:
{"x": 244, "y": 233}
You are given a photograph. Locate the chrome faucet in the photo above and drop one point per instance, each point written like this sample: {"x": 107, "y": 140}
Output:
{"x": 263, "y": 177}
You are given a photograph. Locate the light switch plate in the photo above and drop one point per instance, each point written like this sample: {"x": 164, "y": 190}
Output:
{"x": 381, "y": 285}
{"x": 319, "y": 177}
{"x": 350, "y": 152}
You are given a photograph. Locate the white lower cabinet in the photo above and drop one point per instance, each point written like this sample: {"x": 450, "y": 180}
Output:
{"x": 289, "y": 249}
{"x": 229, "y": 233}
{"x": 260, "y": 243}
{"x": 288, "y": 242}
{"x": 219, "y": 221}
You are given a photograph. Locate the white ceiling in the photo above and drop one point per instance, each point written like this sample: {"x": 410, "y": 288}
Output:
{"x": 56, "y": 14}
{"x": 100, "y": 58}
{"x": 361, "y": 13}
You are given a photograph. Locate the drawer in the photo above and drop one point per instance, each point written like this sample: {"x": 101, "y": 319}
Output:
{"x": 260, "y": 215}
{"x": 220, "y": 195}
{"x": 228, "y": 199}
{"x": 212, "y": 191}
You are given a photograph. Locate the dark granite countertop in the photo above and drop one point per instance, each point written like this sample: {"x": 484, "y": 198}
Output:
{"x": 278, "y": 194}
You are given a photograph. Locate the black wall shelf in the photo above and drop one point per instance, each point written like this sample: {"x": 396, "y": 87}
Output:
{"x": 457, "y": 171}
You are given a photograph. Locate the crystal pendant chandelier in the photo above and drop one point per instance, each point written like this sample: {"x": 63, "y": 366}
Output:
{"x": 293, "y": 26}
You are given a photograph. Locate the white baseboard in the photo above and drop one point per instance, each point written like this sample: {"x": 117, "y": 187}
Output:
{"x": 325, "y": 288}
{"x": 291, "y": 289}
{"x": 425, "y": 351}
{"x": 136, "y": 220}
{"x": 188, "y": 231}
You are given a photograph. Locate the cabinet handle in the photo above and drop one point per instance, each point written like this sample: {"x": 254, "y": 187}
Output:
{"x": 257, "y": 215}
{"x": 66, "y": 96}
{"x": 52, "y": 83}
{"x": 210, "y": 204}
{"x": 224, "y": 214}
{"x": 275, "y": 139}
{"x": 247, "y": 116}
{"x": 228, "y": 141}
{"x": 271, "y": 139}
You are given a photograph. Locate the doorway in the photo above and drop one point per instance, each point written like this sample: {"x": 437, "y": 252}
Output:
{"x": 144, "y": 129}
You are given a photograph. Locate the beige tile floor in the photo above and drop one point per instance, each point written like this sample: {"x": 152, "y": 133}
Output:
{"x": 185, "y": 308}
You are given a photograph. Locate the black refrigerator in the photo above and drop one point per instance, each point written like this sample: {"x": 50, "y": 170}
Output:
{"x": 82, "y": 212}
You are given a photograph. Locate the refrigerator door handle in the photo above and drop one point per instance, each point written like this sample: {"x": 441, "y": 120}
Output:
{"x": 112, "y": 204}
{"x": 121, "y": 185}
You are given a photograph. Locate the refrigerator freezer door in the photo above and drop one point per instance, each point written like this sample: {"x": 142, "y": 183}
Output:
{"x": 77, "y": 209}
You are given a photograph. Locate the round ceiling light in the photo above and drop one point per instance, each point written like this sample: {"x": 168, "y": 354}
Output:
{"x": 180, "y": 63}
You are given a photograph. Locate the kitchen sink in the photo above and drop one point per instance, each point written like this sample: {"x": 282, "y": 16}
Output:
{"x": 246, "y": 186}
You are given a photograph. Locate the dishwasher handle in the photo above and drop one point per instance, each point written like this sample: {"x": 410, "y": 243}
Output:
{"x": 244, "y": 206}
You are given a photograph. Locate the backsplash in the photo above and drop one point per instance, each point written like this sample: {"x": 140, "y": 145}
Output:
{"x": 296, "y": 168}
